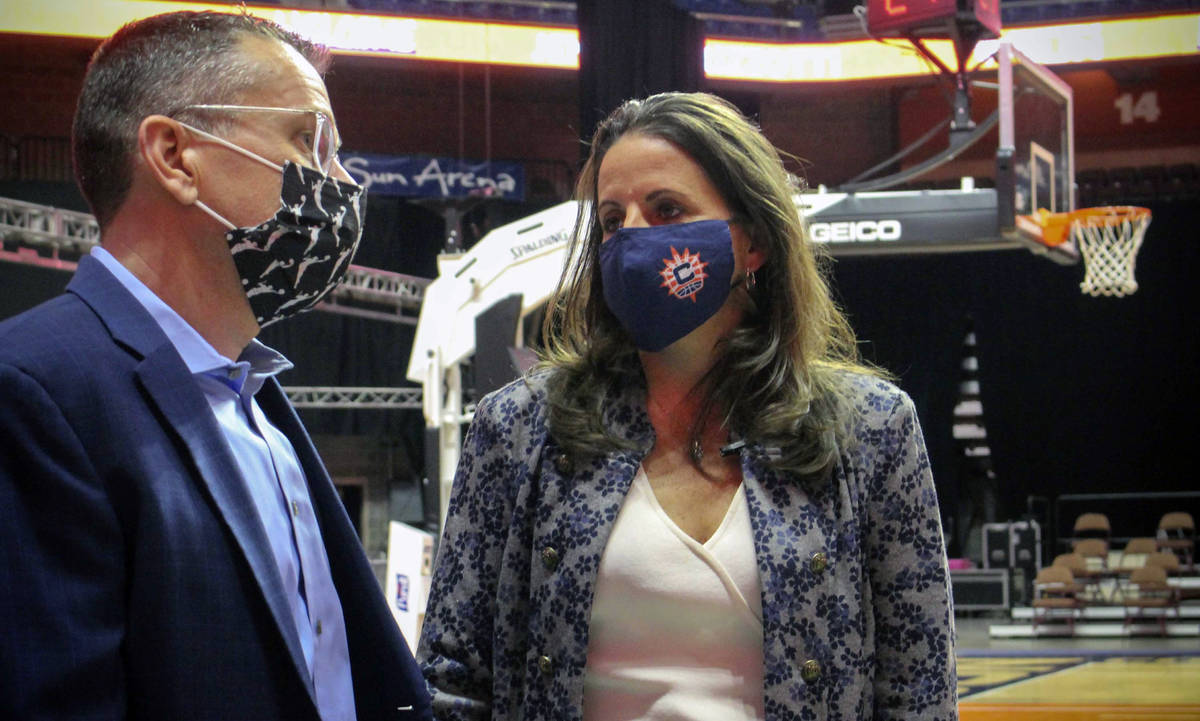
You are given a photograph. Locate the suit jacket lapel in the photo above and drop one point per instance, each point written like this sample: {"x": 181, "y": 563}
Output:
{"x": 174, "y": 393}
{"x": 342, "y": 545}
{"x": 384, "y": 672}
{"x": 172, "y": 389}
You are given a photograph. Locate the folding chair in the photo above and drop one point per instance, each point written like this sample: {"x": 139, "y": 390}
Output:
{"x": 1170, "y": 563}
{"x": 1054, "y": 591}
{"x": 1095, "y": 555}
{"x": 1131, "y": 558}
{"x": 1092, "y": 525}
{"x": 1177, "y": 533}
{"x": 1152, "y": 591}
{"x": 1134, "y": 554}
{"x": 1165, "y": 560}
{"x": 1075, "y": 562}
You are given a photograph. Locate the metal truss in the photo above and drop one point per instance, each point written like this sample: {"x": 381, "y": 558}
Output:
{"x": 399, "y": 295}
{"x": 29, "y": 230}
{"x": 349, "y": 397}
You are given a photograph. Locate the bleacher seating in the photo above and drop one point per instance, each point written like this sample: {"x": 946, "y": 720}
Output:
{"x": 548, "y": 13}
{"x": 1145, "y": 575}
{"x": 1181, "y": 181}
{"x": 1139, "y": 185}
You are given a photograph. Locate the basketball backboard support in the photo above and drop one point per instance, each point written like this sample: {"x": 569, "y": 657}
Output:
{"x": 1034, "y": 169}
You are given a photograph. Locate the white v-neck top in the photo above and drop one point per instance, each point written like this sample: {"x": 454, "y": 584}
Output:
{"x": 676, "y": 627}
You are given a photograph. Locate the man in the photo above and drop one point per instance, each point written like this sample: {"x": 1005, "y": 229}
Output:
{"x": 171, "y": 546}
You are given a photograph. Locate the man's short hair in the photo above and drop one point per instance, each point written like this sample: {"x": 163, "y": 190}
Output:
{"x": 162, "y": 64}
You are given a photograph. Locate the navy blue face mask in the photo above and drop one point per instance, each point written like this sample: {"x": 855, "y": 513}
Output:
{"x": 664, "y": 281}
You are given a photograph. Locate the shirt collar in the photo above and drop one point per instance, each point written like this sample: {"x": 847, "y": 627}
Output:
{"x": 257, "y": 361}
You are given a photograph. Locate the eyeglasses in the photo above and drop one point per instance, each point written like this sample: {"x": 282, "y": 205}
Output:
{"x": 323, "y": 143}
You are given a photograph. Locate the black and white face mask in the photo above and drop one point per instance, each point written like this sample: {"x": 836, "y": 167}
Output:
{"x": 290, "y": 261}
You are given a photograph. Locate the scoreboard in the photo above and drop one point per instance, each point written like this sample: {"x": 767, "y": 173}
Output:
{"x": 930, "y": 17}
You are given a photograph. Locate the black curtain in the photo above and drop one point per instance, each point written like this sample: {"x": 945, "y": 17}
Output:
{"x": 1081, "y": 394}
{"x": 631, "y": 49}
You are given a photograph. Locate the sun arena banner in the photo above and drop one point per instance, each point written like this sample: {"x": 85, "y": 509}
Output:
{"x": 422, "y": 176}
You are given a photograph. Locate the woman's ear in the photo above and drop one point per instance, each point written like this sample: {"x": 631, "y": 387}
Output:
{"x": 756, "y": 256}
{"x": 163, "y": 147}
{"x": 756, "y": 253}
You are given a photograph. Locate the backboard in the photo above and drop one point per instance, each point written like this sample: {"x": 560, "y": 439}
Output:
{"x": 1026, "y": 143}
{"x": 1035, "y": 159}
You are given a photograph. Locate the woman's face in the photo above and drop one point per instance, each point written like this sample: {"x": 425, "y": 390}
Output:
{"x": 645, "y": 180}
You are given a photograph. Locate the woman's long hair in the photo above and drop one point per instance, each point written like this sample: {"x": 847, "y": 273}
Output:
{"x": 779, "y": 380}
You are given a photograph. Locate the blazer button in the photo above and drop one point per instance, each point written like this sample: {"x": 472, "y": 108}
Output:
{"x": 564, "y": 465}
{"x": 545, "y": 665}
{"x": 549, "y": 558}
{"x": 819, "y": 562}
{"x": 810, "y": 672}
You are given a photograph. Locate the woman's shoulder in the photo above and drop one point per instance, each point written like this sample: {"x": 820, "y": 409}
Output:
{"x": 525, "y": 396}
{"x": 883, "y": 421}
{"x": 509, "y": 421}
{"x": 868, "y": 396}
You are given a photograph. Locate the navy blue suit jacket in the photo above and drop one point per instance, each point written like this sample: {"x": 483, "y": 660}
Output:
{"x": 136, "y": 580}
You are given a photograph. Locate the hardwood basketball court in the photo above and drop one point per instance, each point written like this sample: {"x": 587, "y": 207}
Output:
{"x": 1130, "y": 679}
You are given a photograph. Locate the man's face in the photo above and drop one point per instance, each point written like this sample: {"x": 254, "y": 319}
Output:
{"x": 244, "y": 191}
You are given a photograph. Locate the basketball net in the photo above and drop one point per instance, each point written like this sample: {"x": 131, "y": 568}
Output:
{"x": 1109, "y": 239}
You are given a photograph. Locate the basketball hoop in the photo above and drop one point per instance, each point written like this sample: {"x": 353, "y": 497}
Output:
{"x": 1108, "y": 238}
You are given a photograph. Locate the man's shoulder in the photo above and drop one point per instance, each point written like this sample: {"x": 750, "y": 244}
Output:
{"x": 54, "y": 321}
{"x": 59, "y": 342}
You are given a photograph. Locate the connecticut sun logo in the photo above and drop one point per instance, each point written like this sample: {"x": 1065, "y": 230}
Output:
{"x": 684, "y": 274}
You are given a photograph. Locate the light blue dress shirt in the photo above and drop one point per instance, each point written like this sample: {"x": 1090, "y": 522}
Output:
{"x": 277, "y": 484}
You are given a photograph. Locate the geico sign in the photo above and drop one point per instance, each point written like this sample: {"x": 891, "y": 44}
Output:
{"x": 855, "y": 230}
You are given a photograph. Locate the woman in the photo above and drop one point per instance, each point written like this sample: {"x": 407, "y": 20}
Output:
{"x": 700, "y": 506}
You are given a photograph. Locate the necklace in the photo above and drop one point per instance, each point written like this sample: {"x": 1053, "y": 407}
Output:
{"x": 669, "y": 420}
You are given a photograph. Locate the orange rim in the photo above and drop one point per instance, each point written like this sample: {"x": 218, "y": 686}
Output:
{"x": 1110, "y": 214}
{"x": 1056, "y": 227}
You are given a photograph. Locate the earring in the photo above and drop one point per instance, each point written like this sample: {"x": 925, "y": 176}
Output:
{"x": 751, "y": 280}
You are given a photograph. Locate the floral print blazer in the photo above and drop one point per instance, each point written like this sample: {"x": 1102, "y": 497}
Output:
{"x": 857, "y": 617}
